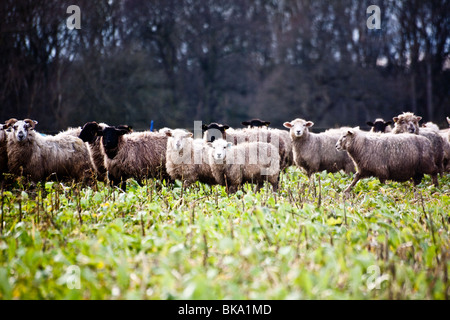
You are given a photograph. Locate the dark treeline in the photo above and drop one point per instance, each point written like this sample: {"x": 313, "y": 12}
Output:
{"x": 176, "y": 61}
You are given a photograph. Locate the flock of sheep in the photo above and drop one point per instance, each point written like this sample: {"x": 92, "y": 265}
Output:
{"x": 225, "y": 156}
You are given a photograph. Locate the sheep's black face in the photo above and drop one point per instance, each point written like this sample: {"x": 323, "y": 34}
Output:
{"x": 256, "y": 123}
{"x": 214, "y": 131}
{"x": 111, "y": 137}
{"x": 89, "y": 132}
{"x": 379, "y": 126}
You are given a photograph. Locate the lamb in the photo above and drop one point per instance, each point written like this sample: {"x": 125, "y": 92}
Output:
{"x": 397, "y": 157}
{"x": 187, "y": 158}
{"x": 253, "y": 162}
{"x": 409, "y": 123}
{"x": 379, "y": 125}
{"x": 137, "y": 155}
{"x": 40, "y": 157}
{"x": 316, "y": 152}
{"x": 279, "y": 138}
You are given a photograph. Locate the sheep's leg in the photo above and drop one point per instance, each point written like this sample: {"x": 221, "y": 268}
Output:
{"x": 355, "y": 180}
{"x": 435, "y": 180}
{"x": 417, "y": 179}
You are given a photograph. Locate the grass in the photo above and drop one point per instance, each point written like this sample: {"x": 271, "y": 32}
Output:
{"x": 308, "y": 241}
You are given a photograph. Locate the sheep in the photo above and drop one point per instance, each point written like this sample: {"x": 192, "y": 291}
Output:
{"x": 279, "y": 138}
{"x": 397, "y": 157}
{"x": 409, "y": 123}
{"x": 379, "y": 125}
{"x": 187, "y": 158}
{"x": 91, "y": 134}
{"x": 3, "y": 147}
{"x": 135, "y": 155}
{"x": 315, "y": 152}
{"x": 253, "y": 162}
{"x": 39, "y": 157}
{"x": 256, "y": 123}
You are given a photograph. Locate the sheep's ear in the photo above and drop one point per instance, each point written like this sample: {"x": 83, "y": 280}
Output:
{"x": 204, "y": 127}
{"x": 31, "y": 123}
{"x": 121, "y": 132}
{"x": 287, "y": 125}
{"x": 395, "y": 119}
{"x": 387, "y": 123}
{"x": 418, "y": 118}
{"x": 245, "y": 123}
{"x": 168, "y": 133}
{"x": 350, "y": 132}
{"x": 225, "y": 127}
{"x": 369, "y": 123}
{"x": 309, "y": 124}
{"x": 267, "y": 123}
{"x": 189, "y": 135}
{"x": 9, "y": 123}
{"x": 448, "y": 120}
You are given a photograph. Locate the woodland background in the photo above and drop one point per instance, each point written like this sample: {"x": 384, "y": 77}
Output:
{"x": 176, "y": 61}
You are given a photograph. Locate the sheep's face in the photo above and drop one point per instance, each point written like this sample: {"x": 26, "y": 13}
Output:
{"x": 219, "y": 149}
{"x": 379, "y": 125}
{"x": 407, "y": 123}
{"x": 298, "y": 127}
{"x": 111, "y": 137}
{"x": 178, "y": 140}
{"x": 214, "y": 131}
{"x": 21, "y": 129}
{"x": 256, "y": 123}
{"x": 344, "y": 140}
{"x": 89, "y": 132}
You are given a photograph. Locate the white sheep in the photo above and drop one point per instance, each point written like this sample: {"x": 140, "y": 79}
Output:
{"x": 252, "y": 162}
{"x": 388, "y": 156}
{"x": 187, "y": 158}
{"x": 39, "y": 157}
{"x": 316, "y": 152}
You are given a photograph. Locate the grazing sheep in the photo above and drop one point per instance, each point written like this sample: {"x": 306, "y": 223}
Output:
{"x": 187, "y": 158}
{"x": 39, "y": 157}
{"x": 253, "y": 162}
{"x": 409, "y": 123}
{"x": 379, "y": 125}
{"x": 316, "y": 152}
{"x": 397, "y": 157}
{"x": 137, "y": 155}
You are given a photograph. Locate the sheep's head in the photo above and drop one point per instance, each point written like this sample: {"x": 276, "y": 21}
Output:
{"x": 256, "y": 123}
{"x": 21, "y": 128}
{"x": 344, "y": 140}
{"x": 407, "y": 122}
{"x": 379, "y": 125}
{"x": 90, "y": 131}
{"x": 214, "y": 131}
{"x": 219, "y": 149}
{"x": 298, "y": 127}
{"x": 111, "y": 137}
{"x": 177, "y": 138}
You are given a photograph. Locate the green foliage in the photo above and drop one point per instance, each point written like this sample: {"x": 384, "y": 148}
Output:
{"x": 308, "y": 241}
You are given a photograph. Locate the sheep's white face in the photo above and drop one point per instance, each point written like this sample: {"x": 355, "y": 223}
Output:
{"x": 220, "y": 147}
{"x": 407, "y": 123}
{"x": 178, "y": 140}
{"x": 20, "y": 130}
{"x": 298, "y": 127}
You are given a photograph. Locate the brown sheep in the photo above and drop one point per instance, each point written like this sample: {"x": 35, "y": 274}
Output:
{"x": 137, "y": 155}
{"x": 397, "y": 157}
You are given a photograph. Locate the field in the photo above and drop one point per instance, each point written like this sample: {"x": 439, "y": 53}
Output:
{"x": 308, "y": 241}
